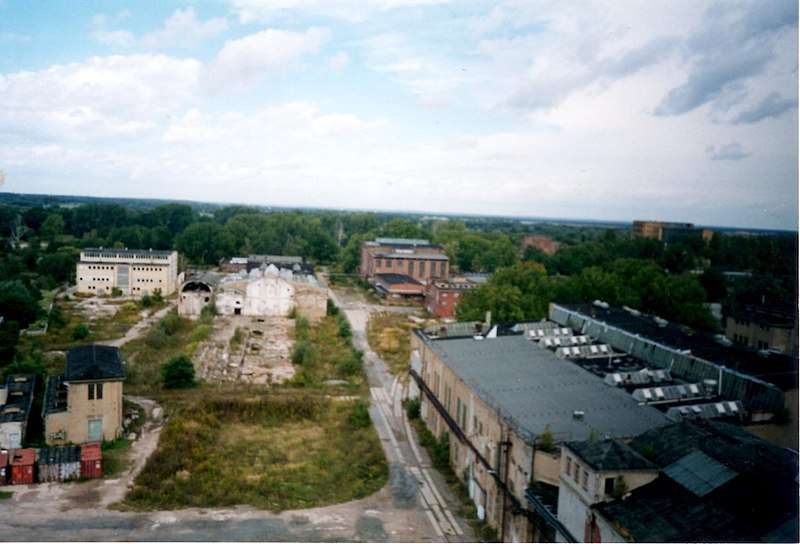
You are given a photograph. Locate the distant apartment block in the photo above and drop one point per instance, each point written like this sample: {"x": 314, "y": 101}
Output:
{"x": 669, "y": 233}
{"x": 544, "y": 244}
{"x": 400, "y": 267}
{"x": 135, "y": 272}
{"x": 763, "y": 327}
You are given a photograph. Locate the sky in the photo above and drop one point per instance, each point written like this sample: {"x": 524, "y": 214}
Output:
{"x": 673, "y": 110}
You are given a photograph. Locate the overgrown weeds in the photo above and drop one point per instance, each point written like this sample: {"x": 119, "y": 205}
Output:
{"x": 278, "y": 451}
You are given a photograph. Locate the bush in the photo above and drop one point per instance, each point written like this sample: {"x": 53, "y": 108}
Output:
{"x": 331, "y": 308}
{"x": 348, "y": 366}
{"x": 201, "y": 332}
{"x": 441, "y": 452}
{"x": 146, "y": 301}
{"x": 169, "y": 324}
{"x": 156, "y": 338}
{"x": 413, "y": 408}
{"x": 80, "y": 332}
{"x": 359, "y": 416}
{"x": 178, "y": 373}
{"x": 116, "y": 292}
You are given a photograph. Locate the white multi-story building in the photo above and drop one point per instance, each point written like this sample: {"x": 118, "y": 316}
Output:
{"x": 134, "y": 271}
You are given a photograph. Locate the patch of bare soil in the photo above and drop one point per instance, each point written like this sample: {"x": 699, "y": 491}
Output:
{"x": 260, "y": 353}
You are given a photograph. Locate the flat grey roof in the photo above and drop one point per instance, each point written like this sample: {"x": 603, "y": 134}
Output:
{"x": 418, "y": 256}
{"x": 531, "y": 388}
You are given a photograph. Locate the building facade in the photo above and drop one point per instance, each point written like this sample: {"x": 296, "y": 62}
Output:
{"x": 267, "y": 292}
{"x": 763, "y": 327}
{"x": 417, "y": 259}
{"x": 669, "y": 233}
{"x": 443, "y": 297}
{"x": 16, "y": 399}
{"x": 85, "y": 403}
{"x": 135, "y": 272}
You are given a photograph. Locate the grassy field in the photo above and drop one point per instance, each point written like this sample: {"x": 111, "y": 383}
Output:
{"x": 274, "y": 450}
{"x": 389, "y": 336}
{"x": 304, "y": 444}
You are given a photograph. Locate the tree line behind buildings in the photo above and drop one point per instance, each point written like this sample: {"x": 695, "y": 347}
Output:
{"x": 42, "y": 237}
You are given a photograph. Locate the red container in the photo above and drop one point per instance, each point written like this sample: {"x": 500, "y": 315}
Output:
{"x": 22, "y": 462}
{"x": 3, "y": 467}
{"x": 91, "y": 461}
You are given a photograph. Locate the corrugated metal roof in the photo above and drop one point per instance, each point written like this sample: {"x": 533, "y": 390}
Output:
{"x": 532, "y": 388}
{"x": 699, "y": 473}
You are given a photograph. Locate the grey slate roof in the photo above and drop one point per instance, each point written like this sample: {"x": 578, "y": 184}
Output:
{"x": 609, "y": 454}
{"x": 95, "y": 362}
{"x": 532, "y": 388}
{"x": 718, "y": 483}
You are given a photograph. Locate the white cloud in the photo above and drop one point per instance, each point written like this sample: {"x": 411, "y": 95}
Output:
{"x": 192, "y": 128}
{"x": 243, "y": 63}
{"x": 120, "y": 95}
{"x": 183, "y": 29}
{"x": 267, "y": 11}
{"x": 338, "y": 61}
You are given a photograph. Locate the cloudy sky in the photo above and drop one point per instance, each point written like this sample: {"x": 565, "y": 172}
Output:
{"x": 609, "y": 110}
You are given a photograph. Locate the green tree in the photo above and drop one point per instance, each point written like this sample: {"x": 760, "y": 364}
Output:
{"x": 52, "y": 227}
{"x": 178, "y": 373}
{"x": 80, "y": 332}
{"x": 18, "y": 302}
{"x": 205, "y": 242}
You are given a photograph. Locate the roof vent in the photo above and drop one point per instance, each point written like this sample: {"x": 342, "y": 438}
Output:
{"x": 578, "y": 414}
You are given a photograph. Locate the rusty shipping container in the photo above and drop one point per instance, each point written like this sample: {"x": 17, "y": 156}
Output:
{"x": 3, "y": 467}
{"x": 91, "y": 461}
{"x": 22, "y": 464}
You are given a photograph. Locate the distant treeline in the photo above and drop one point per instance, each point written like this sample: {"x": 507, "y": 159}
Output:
{"x": 41, "y": 237}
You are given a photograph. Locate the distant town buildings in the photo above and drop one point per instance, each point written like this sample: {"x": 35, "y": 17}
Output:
{"x": 401, "y": 267}
{"x": 134, "y": 272}
{"x": 85, "y": 403}
{"x": 669, "y": 233}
